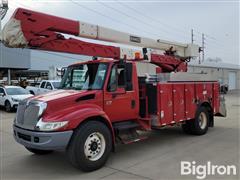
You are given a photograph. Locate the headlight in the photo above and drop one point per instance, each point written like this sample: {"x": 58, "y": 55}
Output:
{"x": 50, "y": 126}
{"x": 42, "y": 108}
{"x": 15, "y": 100}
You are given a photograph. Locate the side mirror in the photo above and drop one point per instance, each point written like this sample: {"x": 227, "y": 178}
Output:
{"x": 63, "y": 70}
{"x": 2, "y": 94}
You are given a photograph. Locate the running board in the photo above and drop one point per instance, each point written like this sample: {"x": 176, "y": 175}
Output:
{"x": 125, "y": 125}
{"x": 130, "y": 136}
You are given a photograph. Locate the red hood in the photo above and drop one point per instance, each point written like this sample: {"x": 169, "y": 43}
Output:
{"x": 59, "y": 94}
{"x": 62, "y": 102}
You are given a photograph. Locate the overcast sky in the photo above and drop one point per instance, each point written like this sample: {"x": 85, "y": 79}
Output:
{"x": 169, "y": 20}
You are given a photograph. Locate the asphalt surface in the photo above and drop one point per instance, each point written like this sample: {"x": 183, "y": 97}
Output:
{"x": 158, "y": 157}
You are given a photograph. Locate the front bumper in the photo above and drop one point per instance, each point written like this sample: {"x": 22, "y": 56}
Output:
{"x": 42, "y": 140}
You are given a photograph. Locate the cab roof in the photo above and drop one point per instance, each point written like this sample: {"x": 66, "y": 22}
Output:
{"x": 96, "y": 61}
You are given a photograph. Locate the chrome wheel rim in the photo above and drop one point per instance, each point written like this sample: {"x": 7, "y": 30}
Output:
{"x": 202, "y": 120}
{"x": 94, "y": 146}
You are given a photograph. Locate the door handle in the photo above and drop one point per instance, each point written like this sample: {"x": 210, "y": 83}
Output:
{"x": 133, "y": 104}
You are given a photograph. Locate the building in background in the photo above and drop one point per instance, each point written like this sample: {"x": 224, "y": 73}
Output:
{"x": 226, "y": 73}
{"x": 12, "y": 60}
{"x": 21, "y": 63}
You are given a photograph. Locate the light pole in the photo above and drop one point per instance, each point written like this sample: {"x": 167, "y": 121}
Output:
{"x": 3, "y": 12}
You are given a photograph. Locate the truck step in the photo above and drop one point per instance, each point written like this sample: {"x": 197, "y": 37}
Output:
{"x": 130, "y": 136}
{"x": 130, "y": 141}
{"x": 125, "y": 125}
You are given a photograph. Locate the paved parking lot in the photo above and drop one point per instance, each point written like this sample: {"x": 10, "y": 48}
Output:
{"x": 158, "y": 157}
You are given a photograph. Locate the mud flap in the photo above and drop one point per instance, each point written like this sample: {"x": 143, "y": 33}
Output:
{"x": 222, "y": 107}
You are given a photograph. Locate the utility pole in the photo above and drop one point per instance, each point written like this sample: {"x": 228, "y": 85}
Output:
{"x": 203, "y": 47}
{"x": 192, "y": 36}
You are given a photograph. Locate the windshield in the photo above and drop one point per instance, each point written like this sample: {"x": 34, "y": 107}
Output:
{"x": 85, "y": 77}
{"x": 16, "y": 91}
{"x": 56, "y": 84}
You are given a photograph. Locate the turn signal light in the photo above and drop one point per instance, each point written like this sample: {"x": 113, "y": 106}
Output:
{"x": 137, "y": 55}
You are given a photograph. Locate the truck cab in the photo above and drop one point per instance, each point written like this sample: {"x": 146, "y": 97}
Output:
{"x": 100, "y": 91}
{"x": 114, "y": 84}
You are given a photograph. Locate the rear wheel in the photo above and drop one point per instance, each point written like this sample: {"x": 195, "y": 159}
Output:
{"x": 90, "y": 146}
{"x": 199, "y": 125}
{"x": 8, "y": 106}
{"x": 38, "y": 151}
{"x": 187, "y": 127}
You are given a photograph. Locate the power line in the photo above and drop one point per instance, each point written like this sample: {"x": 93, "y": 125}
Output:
{"x": 153, "y": 19}
{"x": 213, "y": 39}
{"x": 113, "y": 19}
{"x": 134, "y": 18}
{"x": 116, "y": 20}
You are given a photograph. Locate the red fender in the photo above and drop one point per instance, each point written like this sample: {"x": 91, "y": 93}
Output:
{"x": 77, "y": 115}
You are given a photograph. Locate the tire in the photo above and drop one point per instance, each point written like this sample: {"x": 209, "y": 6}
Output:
{"x": 187, "y": 127}
{"x": 90, "y": 146}
{"x": 8, "y": 106}
{"x": 199, "y": 125}
{"x": 38, "y": 151}
{"x": 31, "y": 92}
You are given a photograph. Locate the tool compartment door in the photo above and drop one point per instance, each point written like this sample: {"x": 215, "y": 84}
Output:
{"x": 199, "y": 89}
{"x": 208, "y": 92}
{"x": 190, "y": 105}
{"x": 178, "y": 102}
{"x": 165, "y": 103}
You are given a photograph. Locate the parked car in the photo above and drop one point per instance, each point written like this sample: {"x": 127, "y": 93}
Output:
{"x": 10, "y": 96}
{"x": 44, "y": 87}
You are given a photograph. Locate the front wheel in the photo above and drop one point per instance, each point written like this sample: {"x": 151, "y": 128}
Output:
{"x": 90, "y": 146}
{"x": 8, "y": 106}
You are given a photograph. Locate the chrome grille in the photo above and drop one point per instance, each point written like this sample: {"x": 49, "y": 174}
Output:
{"x": 28, "y": 114}
{"x": 20, "y": 113}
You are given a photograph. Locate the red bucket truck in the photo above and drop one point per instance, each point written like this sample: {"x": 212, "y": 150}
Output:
{"x": 111, "y": 98}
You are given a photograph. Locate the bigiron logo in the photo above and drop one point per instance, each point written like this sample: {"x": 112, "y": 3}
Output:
{"x": 202, "y": 171}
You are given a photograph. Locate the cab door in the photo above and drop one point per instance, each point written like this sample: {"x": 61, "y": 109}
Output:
{"x": 119, "y": 96}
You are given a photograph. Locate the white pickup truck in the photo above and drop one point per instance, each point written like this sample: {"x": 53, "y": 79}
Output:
{"x": 44, "y": 87}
